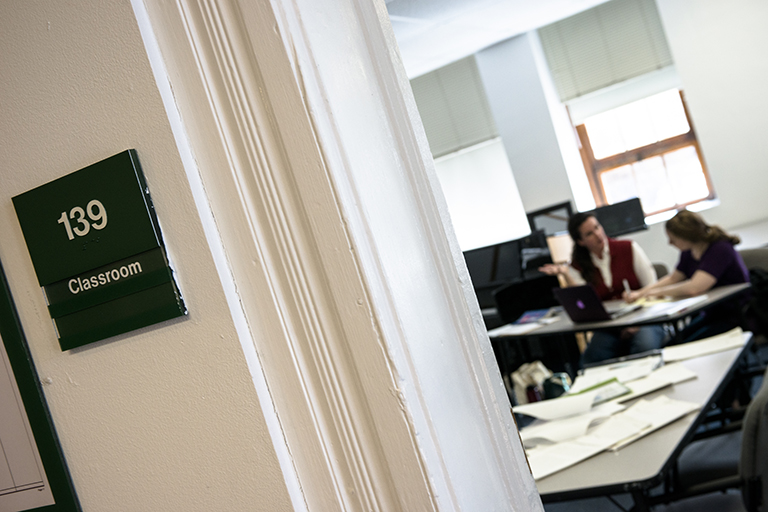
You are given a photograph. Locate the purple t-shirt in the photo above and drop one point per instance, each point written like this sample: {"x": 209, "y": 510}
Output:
{"x": 720, "y": 260}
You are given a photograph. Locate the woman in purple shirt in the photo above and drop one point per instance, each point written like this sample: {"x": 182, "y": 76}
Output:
{"x": 707, "y": 260}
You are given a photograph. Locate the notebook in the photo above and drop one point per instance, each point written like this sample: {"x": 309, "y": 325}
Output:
{"x": 584, "y": 305}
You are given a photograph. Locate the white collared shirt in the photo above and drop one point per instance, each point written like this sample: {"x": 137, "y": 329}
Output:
{"x": 642, "y": 266}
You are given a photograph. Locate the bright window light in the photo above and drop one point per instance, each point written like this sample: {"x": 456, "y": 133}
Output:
{"x": 668, "y": 114}
{"x": 604, "y": 134}
{"x": 637, "y": 124}
{"x": 661, "y": 182}
{"x": 654, "y": 189}
{"x": 619, "y": 184}
{"x": 686, "y": 175}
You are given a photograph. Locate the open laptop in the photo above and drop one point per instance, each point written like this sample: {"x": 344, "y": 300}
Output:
{"x": 584, "y": 305}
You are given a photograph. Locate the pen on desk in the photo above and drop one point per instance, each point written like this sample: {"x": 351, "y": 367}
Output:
{"x": 626, "y": 287}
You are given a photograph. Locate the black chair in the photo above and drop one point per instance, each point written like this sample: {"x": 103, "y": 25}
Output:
{"x": 738, "y": 460}
{"x": 514, "y": 299}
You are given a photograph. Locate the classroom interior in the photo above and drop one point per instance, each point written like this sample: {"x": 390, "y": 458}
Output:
{"x": 523, "y": 99}
{"x": 334, "y": 355}
{"x": 513, "y": 82}
{"x": 517, "y": 86}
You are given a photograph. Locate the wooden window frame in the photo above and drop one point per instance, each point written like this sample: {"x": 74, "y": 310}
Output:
{"x": 595, "y": 167}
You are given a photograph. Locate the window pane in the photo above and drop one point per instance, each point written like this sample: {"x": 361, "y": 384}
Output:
{"x": 618, "y": 184}
{"x": 666, "y": 110}
{"x": 636, "y": 125}
{"x": 686, "y": 175}
{"x": 653, "y": 185}
{"x": 604, "y": 135}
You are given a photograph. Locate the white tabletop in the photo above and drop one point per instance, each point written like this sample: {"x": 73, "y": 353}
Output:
{"x": 641, "y": 463}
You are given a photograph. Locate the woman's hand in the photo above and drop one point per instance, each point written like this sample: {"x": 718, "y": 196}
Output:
{"x": 554, "y": 269}
{"x": 633, "y": 295}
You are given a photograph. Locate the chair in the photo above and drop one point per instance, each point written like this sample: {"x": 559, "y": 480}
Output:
{"x": 661, "y": 270}
{"x": 755, "y": 313}
{"x": 755, "y": 258}
{"x": 705, "y": 466}
{"x": 514, "y": 299}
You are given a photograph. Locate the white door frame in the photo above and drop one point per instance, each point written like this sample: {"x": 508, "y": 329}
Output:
{"x": 308, "y": 156}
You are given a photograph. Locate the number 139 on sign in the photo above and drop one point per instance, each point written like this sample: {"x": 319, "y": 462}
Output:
{"x": 96, "y": 219}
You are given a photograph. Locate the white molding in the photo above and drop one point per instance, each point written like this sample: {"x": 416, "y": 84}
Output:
{"x": 371, "y": 344}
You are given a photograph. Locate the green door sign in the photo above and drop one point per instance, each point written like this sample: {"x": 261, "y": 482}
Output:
{"x": 98, "y": 253}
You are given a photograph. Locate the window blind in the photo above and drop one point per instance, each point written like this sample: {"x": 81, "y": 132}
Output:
{"x": 605, "y": 45}
{"x": 453, "y": 107}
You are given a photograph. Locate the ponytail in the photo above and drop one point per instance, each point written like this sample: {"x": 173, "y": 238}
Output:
{"x": 580, "y": 257}
{"x": 690, "y": 226}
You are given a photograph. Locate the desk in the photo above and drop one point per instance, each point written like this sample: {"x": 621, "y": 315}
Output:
{"x": 643, "y": 316}
{"x": 642, "y": 465}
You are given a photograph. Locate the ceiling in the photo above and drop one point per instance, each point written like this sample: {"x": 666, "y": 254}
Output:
{"x": 433, "y": 33}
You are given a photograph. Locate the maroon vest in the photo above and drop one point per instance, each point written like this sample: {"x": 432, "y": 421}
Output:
{"x": 622, "y": 267}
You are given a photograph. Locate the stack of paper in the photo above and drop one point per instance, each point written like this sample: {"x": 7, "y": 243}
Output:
{"x": 671, "y": 307}
{"x": 662, "y": 377}
{"x": 734, "y": 338}
{"x": 573, "y": 404}
{"x": 615, "y": 432}
{"x": 573, "y": 427}
{"x": 546, "y": 460}
{"x": 624, "y": 372}
{"x": 659, "y": 412}
{"x": 556, "y": 431}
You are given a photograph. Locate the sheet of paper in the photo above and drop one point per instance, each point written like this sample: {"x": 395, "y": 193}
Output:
{"x": 732, "y": 339}
{"x": 551, "y": 459}
{"x": 644, "y": 386}
{"x": 557, "y": 408}
{"x": 610, "y": 390}
{"x": 546, "y": 460}
{"x": 674, "y": 373}
{"x": 556, "y": 431}
{"x": 616, "y": 429}
{"x": 682, "y": 305}
{"x": 513, "y": 329}
{"x": 667, "y": 307}
{"x": 658, "y": 412}
{"x": 624, "y": 372}
{"x": 665, "y": 376}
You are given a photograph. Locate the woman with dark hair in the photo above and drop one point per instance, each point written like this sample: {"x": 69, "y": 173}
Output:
{"x": 707, "y": 260}
{"x": 609, "y": 266}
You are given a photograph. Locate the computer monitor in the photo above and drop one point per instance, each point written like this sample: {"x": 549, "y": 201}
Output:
{"x": 496, "y": 265}
{"x": 481, "y": 264}
{"x": 534, "y": 252}
{"x": 536, "y": 240}
{"x": 621, "y": 218}
{"x": 491, "y": 267}
{"x": 552, "y": 219}
{"x": 508, "y": 262}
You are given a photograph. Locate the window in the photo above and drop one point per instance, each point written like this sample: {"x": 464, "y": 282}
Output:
{"x": 645, "y": 149}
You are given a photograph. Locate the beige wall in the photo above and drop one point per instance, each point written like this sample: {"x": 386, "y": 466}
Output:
{"x": 167, "y": 417}
{"x": 719, "y": 50}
